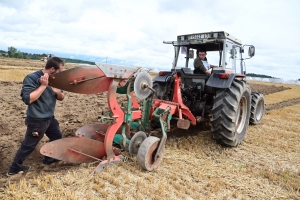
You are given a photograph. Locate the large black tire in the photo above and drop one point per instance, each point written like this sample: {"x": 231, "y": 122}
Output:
{"x": 160, "y": 89}
{"x": 257, "y": 108}
{"x": 231, "y": 113}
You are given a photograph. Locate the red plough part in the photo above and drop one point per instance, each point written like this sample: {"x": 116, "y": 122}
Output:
{"x": 177, "y": 107}
{"x": 128, "y": 127}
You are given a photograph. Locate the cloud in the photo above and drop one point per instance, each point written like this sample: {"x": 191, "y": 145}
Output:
{"x": 133, "y": 31}
{"x": 14, "y": 4}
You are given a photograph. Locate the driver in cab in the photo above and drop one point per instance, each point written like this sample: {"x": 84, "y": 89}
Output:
{"x": 201, "y": 65}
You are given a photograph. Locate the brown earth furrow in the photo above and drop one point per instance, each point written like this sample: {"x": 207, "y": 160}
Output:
{"x": 282, "y": 104}
{"x": 267, "y": 89}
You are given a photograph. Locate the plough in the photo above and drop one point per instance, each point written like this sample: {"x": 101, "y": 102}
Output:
{"x": 129, "y": 127}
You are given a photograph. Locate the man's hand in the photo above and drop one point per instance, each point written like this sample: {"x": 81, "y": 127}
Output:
{"x": 59, "y": 95}
{"x": 56, "y": 90}
{"x": 44, "y": 79}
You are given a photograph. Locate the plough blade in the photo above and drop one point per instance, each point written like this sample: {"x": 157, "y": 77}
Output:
{"x": 83, "y": 80}
{"x": 106, "y": 163}
{"x": 74, "y": 150}
{"x": 94, "y": 131}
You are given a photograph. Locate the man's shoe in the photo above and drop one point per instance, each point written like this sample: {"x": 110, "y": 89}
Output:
{"x": 49, "y": 161}
{"x": 23, "y": 169}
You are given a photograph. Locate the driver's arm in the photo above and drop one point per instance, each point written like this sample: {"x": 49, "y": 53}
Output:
{"x": 214, "y": 66}
{"x": 207, "y": 72}
{"x": 199, "y": 65}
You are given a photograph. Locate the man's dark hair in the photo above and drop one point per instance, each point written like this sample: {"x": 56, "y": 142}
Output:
{"x": 54, "y": 62}
{"x": 201, "y": 50}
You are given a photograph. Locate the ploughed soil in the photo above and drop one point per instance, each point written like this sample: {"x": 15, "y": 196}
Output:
{"x": 74, "y": 112}
{"x": 267, "y": 89}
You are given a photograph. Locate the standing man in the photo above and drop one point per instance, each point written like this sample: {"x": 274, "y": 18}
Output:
{"x": 201, "y": 65}
{"x": 40, "y": 120}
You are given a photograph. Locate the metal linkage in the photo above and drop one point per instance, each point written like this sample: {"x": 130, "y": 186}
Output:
{"x": 74, "y": 150}
{"x": 164, "y": 119}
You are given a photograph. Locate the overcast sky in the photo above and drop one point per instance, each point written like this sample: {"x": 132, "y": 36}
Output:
{"x": 132, "y": 32}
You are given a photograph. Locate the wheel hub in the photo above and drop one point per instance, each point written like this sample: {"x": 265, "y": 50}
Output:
{"x": 241, "y": 115}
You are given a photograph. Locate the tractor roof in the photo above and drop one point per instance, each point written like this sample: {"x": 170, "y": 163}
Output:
{"x": 206, "y": 37}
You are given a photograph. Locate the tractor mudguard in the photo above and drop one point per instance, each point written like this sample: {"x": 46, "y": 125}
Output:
{"x": 217, "y": 82}
{"x": 163, "y": 78}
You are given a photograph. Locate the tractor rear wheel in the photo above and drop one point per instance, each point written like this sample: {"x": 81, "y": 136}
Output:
{"x": 231, "y": 113}
{"x": 257, "y": 108}
{"x": 160, "y": 89}
{"x": 147, "y": 153}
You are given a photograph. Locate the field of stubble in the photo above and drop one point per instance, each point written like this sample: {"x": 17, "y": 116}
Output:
{"x": 265, "y": 166}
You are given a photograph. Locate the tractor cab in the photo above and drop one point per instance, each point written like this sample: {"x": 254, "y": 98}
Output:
{"x": 223, "y": 50}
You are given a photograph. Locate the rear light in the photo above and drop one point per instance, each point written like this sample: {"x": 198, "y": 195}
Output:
{"x": 162, "y": 73}
{"x": 224, "y": 76}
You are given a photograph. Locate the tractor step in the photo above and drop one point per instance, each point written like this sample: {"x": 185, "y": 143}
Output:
{"x": 201, "y": 119}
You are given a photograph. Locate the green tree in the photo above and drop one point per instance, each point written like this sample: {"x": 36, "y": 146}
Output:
{"x": 20, "y": 54}
{"x": 11, "y": 51}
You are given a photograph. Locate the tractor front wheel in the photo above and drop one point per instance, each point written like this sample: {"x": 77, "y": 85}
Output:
{"x": 230, "y": 113}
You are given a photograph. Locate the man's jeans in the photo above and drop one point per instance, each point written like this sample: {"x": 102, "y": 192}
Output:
{"x": 50, "y": 127}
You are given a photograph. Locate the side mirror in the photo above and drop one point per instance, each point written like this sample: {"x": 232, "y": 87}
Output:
{"x": 191, "y": 53}
{"x": 251, "y": 51}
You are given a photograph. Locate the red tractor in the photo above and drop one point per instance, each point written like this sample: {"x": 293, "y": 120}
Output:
{"x": 224, "y": 97}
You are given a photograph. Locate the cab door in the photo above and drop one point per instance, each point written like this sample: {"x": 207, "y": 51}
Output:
{"x": 230, "y": 58}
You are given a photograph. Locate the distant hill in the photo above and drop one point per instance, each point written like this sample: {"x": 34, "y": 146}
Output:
{"x": 259, "y": 75}
{"x": 34, "y": 56}
{"x": 70, "y": 60}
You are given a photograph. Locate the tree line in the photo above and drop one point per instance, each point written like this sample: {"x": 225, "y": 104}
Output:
{"x": 262, "y": 76}
{"x": 13, "y": 52}
{"x": 259, "y": 75}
